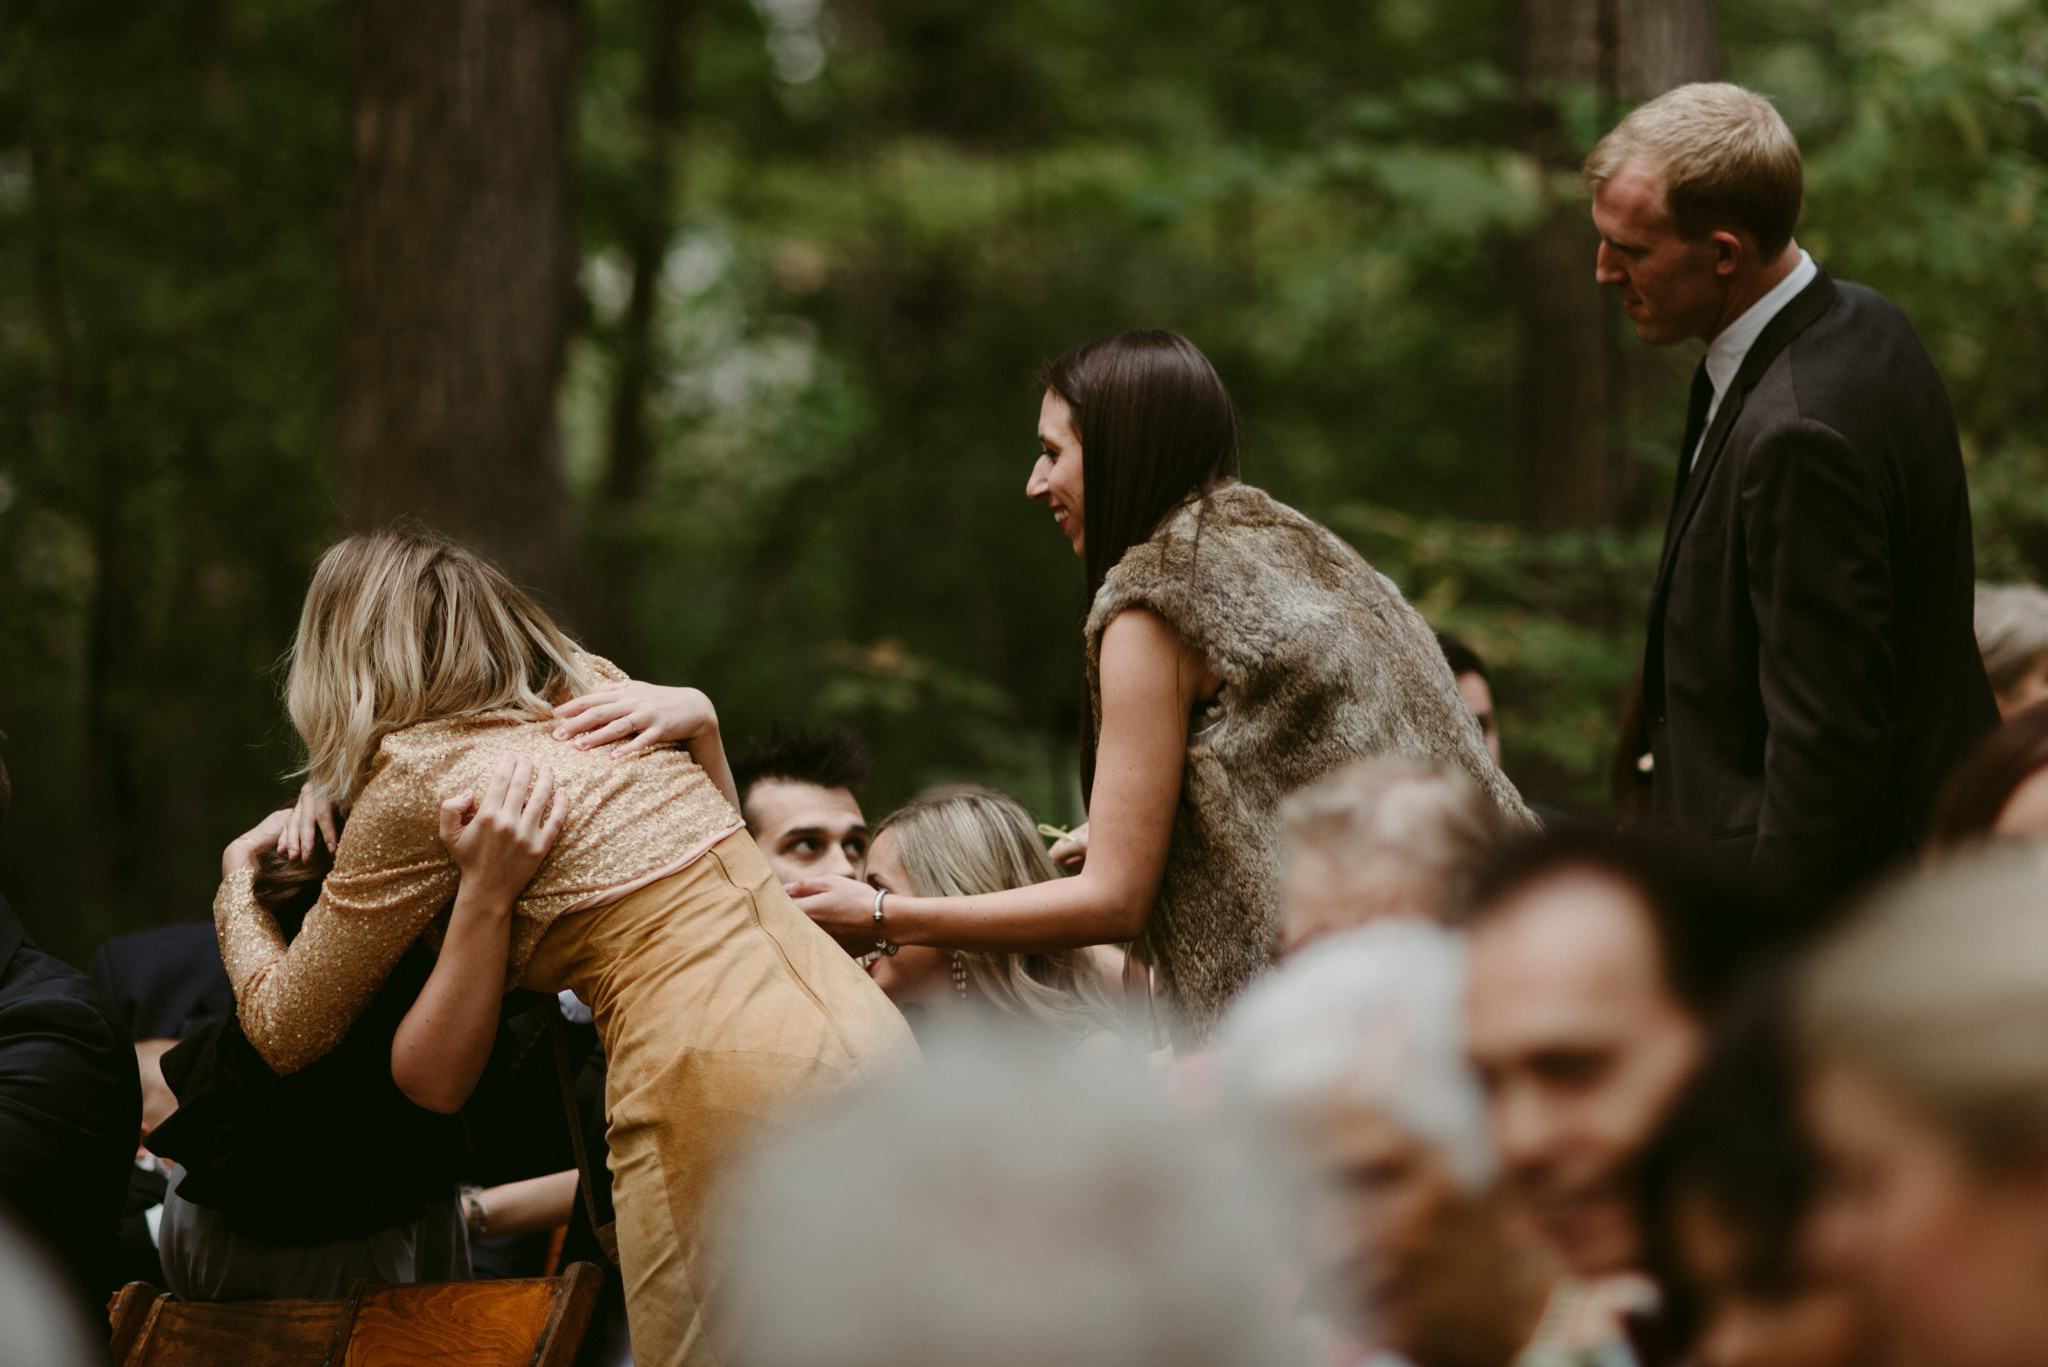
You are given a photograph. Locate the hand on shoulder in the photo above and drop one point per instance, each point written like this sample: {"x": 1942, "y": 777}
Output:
{"x": 500, "y": 847}
{"x": 248, "y": 849}
{"x": 640, "y": 714}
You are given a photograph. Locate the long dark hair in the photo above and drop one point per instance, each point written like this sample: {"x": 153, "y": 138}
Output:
{"x": 1156, "y": 427}
{"x": 1986, "y": 779}
{"x": 1732, "y": 1140}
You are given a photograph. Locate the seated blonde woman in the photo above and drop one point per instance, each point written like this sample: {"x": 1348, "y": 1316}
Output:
{"x": 960, "y": 841}
{"x": 1399, "y": 837}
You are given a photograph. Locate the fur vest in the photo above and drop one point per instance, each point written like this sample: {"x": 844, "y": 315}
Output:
{"x": 1323, "y": 662}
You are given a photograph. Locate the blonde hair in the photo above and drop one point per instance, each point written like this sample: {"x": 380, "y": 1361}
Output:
{"x": 2012, "y": 631}
{"x": 402, "y": 627}
{"x": 1938, "y": 992}
{"x": 1724, "y": 156}
{"x": 964, "y": 839}
{"x": 1407, "y": 821}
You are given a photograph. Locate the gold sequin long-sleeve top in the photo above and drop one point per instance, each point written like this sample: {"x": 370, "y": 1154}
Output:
{"x": 630, "y": 822}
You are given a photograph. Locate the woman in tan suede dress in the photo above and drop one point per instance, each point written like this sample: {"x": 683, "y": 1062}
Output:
{"x": 416, "y": 667}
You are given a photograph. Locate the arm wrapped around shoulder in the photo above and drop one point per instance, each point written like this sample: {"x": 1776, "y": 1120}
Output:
{"x": 390, "y": 877}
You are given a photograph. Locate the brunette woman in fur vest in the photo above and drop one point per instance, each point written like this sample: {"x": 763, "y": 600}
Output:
{"x": 1236, "y": 651}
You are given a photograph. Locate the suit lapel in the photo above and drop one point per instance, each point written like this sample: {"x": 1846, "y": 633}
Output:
{"x": 1806, "y": 306}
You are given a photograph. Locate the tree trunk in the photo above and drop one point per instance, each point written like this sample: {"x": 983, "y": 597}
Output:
{"x": 614, "y": 611}
{"x": 458, "y": 261}
{"x": 1581, "y": 375}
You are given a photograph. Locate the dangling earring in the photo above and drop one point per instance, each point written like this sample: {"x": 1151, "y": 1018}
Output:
{"x": 960, "y": 974}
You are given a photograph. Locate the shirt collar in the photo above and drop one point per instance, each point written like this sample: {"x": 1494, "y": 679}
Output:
{"x": 1725, "y": 354}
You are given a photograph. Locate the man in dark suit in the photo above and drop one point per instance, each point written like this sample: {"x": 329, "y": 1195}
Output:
{"x": 168, "y": 982}
{"x": 70, "y": 1103}
{"x": 1811, "y": 673}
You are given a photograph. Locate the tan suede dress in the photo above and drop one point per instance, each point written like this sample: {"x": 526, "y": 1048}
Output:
{"x": 719, "y": 1003}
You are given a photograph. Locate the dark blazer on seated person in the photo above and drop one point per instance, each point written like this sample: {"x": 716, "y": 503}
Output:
{"x": 1811, "y": 671}
{"x": 333, "y": 1151}
{"x": 70, "y": 1106}
{"x": 168, "y": 981}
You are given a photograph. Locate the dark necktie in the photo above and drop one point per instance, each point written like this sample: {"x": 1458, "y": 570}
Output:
{"x": 1695, "y": 419}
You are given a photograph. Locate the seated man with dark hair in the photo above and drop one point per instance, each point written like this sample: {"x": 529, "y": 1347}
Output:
{"x": 70, "y": 1103}
{"x": 798, "y": 797}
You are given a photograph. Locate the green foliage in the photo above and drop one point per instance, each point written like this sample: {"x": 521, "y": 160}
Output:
{"x": 1557, "y": 618}
{"x": 886, "y": 212}
{"x": 1929, "y": 125}
{"x": 167, "y": 178}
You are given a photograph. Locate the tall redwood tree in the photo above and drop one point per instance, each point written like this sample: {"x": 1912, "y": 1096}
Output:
{"x": 1580, "y": 374}
{"x": 458, "y": 270}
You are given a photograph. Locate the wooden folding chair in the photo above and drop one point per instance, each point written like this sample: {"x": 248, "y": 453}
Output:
{"x": 537, "y": 1322}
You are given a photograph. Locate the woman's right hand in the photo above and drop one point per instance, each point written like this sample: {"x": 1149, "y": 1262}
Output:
{"x": 1070, "y": 851}
{"x": 501, "y": 846}
{"x": 248, "y": 849}
{"x": 843, "y": 908}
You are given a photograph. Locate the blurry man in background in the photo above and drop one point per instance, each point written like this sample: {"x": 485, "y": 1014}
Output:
{"x": 1597, "y": 963}
{"x": 799, "y": 796}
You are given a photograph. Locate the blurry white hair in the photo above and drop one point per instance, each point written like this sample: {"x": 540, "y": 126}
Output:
{"x": 1007, "y": 1207}
{"x": 42, "y": 1323}
{"x": 1371, "y": 1018}
{"x": 1407, "y": 824}
{"x": 2012, "y": 631}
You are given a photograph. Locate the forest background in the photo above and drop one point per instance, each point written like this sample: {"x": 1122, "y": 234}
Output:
{"x": 714, "y": 320}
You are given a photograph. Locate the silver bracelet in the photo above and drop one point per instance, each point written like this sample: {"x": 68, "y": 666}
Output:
{"x": 881, "y": 937}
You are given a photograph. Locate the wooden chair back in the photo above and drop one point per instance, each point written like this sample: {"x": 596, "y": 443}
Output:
{"x": 537, "y": 1322}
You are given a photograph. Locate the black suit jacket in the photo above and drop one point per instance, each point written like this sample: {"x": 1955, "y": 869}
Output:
{"x": 167, "y": 982}
{"x": 1812, "y": 672}
{"x": 70, "y": 1106}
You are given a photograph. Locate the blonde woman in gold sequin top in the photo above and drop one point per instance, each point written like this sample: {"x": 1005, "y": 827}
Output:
{"x": 416, "y": 667}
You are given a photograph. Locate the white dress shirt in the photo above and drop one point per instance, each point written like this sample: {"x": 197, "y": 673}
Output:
{"x": 1726, "y": 352}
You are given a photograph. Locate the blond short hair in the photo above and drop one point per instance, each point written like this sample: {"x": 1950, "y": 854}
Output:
{"x": 1938, "y": 992}
{"x": 1724, "y": 156}
{"x": 2012, "y": 631}
{"x": 402, "y": 627}
{"x": 963, "y": 840}
{"x": 1407, "y": 821}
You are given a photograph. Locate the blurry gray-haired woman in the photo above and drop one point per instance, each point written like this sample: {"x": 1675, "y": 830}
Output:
{"x": 958, "y": 841}
{"x": 1348, "y": 1065}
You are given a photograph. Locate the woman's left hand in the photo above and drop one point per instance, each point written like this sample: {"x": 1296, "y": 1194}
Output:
{"x": 843, "y": 909}
{"x": 247, "y": 851}
{"x": 648, "y": 713}
{"x": 312, "y": 821}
